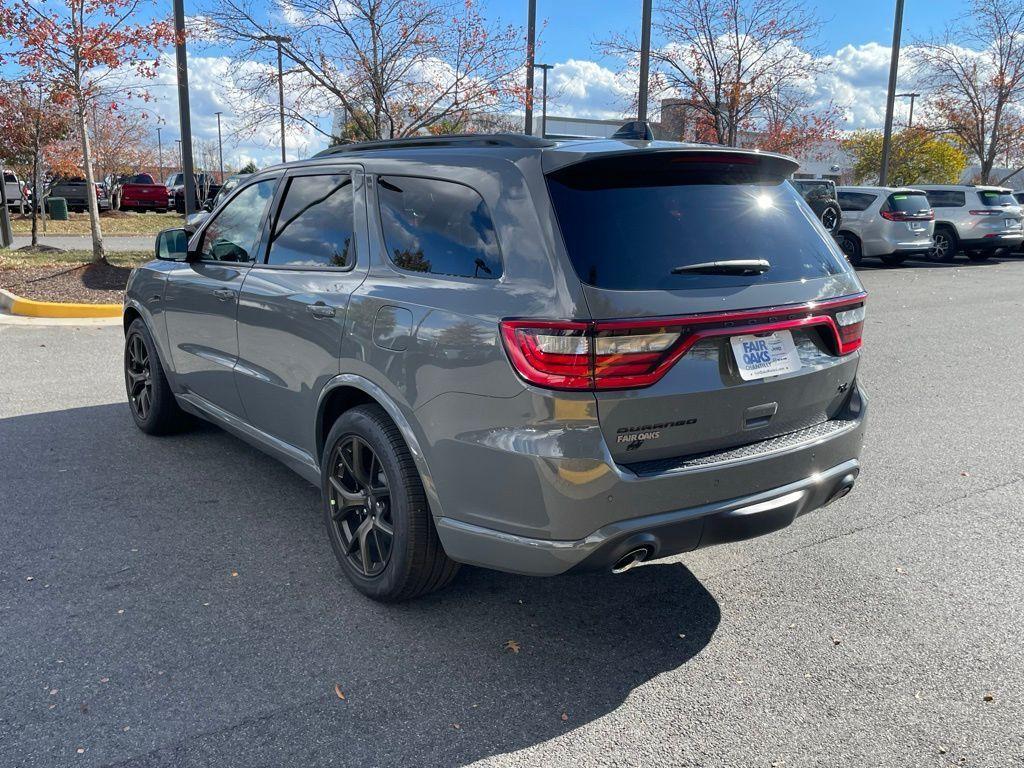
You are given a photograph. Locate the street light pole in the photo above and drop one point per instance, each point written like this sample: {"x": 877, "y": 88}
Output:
{"x": 911, "y": 96}
{"x": 184, "y": 114}
{"x": 160, "y": 152}
{"x": 220, "y": 148}
{"x": 279, "y": 40}
{"x": 544, "y": 99}
{"x": 894, "y": 65}
{"x": 645, "y": 61}
{"x": 531, "y": 43}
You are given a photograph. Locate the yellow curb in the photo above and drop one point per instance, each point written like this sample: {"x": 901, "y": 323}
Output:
{"x": 17, "y": 305}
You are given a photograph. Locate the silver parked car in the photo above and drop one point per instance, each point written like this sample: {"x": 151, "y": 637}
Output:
{"x": 979, "y": 220}
{"x": 889, "y": 223}
{"x": 523, "y": 354}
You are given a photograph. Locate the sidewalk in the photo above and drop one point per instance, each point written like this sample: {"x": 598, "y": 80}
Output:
{"x": 112, "y": 243}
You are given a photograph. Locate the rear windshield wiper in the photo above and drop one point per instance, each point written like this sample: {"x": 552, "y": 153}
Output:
{"x": 731, "y": 267}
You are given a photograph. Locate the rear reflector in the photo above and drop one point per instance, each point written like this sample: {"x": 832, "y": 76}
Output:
{"x": 625, "y": 354}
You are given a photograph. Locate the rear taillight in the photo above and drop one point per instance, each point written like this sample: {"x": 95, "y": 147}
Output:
{"x": 626, "y": 354}
{"x": 987, "y": 213}
{"x": 903, "y": 216}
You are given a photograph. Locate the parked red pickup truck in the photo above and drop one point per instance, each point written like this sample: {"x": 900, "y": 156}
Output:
{"x": 140, "y": 193}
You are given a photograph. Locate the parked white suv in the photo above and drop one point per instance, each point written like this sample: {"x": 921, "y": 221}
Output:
{"x": 890, "y": 223}
{"x": 978, "y": 220}
{"x": 17, "y": 193}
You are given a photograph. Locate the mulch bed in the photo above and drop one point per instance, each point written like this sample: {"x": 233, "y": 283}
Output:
{"x": 84, "y": 284}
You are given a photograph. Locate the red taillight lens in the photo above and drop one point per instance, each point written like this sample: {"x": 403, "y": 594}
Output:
{"x": 625, "y": 354}
{"x": 903, "y": 216}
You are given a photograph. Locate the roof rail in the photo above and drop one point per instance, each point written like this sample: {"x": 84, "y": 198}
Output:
{"x": 444, "y": 140}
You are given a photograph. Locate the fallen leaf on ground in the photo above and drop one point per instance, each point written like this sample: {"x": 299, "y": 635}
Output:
{"x": 836, "y": 641}
{"x": 234, "y": 573}
{"x": 456, "y": 726}
{"x": 338, "y": 693}
{"x": 989, "y": 697}
{"x": 565, "y": 717}
{"x": 512, "y": 646}
{"x": 900, "y": 569}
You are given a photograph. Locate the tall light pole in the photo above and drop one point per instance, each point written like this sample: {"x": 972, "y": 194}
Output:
{"x": 279, "y": 40}
{"x": 911, "y": 96}
{"x": 160, "y": 152}
{"x": 544, "y": 99}
{"x": 220, "y": 148}
{"x": 531, "y": 52}
{"x": 894, "y": 66}
{"x": 645, "y": 61}
{"x": 184, "y": 114}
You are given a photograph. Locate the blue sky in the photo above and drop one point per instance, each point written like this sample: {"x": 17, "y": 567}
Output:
{"x": 855, "y": 36}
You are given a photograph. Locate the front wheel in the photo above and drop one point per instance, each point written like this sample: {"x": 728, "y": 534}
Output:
{"x": 376, "y": 511}
{"x": 150, "y": 400}
{"x": 850, "y": 246}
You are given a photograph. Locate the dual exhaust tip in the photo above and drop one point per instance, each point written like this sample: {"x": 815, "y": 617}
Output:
{"x": 631, "y": 559}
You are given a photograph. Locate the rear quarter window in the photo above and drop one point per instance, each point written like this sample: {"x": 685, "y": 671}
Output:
{"x": 946, "y": 198}
{"x": 438, "y": 228}
{"x": 855, "y": 201}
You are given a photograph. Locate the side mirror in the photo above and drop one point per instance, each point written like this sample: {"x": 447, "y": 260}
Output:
{"x": 208, "y": 205}
{"x": 172, "y": 245}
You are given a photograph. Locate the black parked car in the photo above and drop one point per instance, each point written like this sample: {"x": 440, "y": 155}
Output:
{"x": 820, "y": 194}
{"x": 206, "y": 189}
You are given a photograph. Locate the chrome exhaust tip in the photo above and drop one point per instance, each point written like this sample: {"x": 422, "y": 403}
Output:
{"x": 631, "y": 559}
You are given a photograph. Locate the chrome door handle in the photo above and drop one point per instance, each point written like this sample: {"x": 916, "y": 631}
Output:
{"x": 224, "y": 294}
{"x": 320, "y": 309}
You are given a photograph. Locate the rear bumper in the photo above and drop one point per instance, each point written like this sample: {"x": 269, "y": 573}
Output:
{"x": 668, "y": 512}
{"x": 1008, "y": 240}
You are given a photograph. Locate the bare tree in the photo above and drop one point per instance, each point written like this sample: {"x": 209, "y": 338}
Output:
{"x": 393, "y": 67}
{"x": 740, "y": 65}
{"x": 975, "y": 72}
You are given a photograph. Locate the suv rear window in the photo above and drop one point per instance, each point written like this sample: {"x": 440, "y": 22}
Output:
{"x": 907, "y": 202}
{"x": 438, "y": 227}
{"x": 627, "y": 222}
{"x": 995, "y": 197}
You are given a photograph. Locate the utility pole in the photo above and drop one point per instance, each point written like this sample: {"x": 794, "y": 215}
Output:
{"x": 531, "y": 44}
{"x": 160, "y": 153}
{"x": 184, "y": 115}
{"x": 220, "y": 148}
{"x": 544, "y": 99}
{"x": 911, "y": 96}
{"x": 894, "y": 66}
{"x": 279, "y": 39}
{"x": 180, "y": 165}
{"x": 645, "y": 61}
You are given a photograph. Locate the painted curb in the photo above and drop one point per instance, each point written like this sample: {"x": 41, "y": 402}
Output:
{"x": 17, "y": 305}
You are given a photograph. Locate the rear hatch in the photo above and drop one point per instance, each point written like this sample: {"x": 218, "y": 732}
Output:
{"x": 724, "y": 314}
{"x": 999, "y": 210}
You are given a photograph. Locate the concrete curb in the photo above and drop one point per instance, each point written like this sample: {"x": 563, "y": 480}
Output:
{"x": 17, "y": 305}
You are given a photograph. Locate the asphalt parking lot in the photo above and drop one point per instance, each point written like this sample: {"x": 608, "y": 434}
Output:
{"x": 174, "y": 602}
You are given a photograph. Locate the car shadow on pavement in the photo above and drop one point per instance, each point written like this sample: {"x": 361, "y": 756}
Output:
{"x": 194, "y": 574}
{"x": 873, "y": 265}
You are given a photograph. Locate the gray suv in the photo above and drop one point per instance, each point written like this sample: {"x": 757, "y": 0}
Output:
{"x": 522, "y": 354}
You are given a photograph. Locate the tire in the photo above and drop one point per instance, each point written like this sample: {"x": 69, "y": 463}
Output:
{"x": 893, "y": 260}
{"x": 831, "y": 217}
{"x": 155, "y": 413}
{"x": 945, "y": 245}
{"x": 380, "y": 490}
{"x": 850, "y": 246}
{"x": 980, "y": 255}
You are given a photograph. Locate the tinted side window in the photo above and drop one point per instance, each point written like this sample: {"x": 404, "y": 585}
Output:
{"x": 315, "y": 225}
{"x": 855, "y": 201}
{"x": 945, "y": 198}
{"x": 234, "y": 234}
{"x": 438, "y": 227}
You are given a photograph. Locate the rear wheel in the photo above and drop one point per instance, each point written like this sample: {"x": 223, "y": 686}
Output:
{"x": 150, "y": 400}
{"x": 945, "y": 245}
{"x": 851, "y": 248}
{"x": 376, "y": 511}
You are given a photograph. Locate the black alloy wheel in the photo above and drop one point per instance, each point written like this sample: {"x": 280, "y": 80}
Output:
{"x": 138, "y": 374}
{"x": 830, "y": 219}
{"x": 360, "y": 499}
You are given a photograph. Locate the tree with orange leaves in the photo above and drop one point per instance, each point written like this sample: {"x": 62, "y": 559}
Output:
{"x": 85, "y": 53}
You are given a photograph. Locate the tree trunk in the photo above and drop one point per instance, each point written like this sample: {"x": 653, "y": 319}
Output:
{"x": 94, "y": 212}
